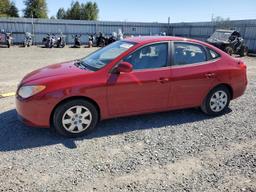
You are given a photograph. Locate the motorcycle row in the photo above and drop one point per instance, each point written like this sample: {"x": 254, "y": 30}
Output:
{"x": 58, "y": 41}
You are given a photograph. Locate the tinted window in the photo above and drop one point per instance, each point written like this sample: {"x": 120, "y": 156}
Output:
{"x": 187, "y": 53}
{"x": 148, "y": 57}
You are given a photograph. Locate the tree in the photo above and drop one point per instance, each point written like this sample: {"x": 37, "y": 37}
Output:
{"x": 74, "y": 12}
{"x": 92, "y": 11}
{"x": 13, "y": 11}
{"x": 8, "y": 9}
{"x": 77, "y": 11}
{"x": 35, "y": 8}
{"x": 89, "y": 11}
{"x": 61, "y": 14}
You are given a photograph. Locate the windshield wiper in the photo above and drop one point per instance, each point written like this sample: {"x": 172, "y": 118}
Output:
{"x": 79, "y": 63}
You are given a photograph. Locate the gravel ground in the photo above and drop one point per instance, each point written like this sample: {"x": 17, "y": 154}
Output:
{"x": 173, "y": 151}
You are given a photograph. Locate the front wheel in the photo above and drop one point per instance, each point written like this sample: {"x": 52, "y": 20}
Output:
{"x": 217, "y": 101}
{"x": 63, "y": 45}
{"x": 75, "y": 118}
{"x": 8, "y": 44}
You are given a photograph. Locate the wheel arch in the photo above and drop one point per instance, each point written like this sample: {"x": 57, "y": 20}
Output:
{"x": 229, "y": 87}
{"x": 74, "y": 98}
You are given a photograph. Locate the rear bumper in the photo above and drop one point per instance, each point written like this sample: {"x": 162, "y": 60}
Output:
{"x": 239, "y": 88}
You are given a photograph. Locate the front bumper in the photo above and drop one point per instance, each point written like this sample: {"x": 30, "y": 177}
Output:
{"x": 33, "y": 112}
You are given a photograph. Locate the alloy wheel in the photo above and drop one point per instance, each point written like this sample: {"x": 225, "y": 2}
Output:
{"x": 77, "y": 119}
{"x": 218, "y": 101}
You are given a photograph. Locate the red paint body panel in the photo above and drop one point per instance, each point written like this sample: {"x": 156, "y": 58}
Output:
{"x": 141, "y": 91}
{"x": 138, "y": 91}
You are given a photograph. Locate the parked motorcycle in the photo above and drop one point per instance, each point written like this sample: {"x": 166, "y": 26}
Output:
{"x": 91, "y": 40}
{"x": 100, "y": 40}
{"x": 120, "y": 35}
{"x": 27, "y": 40}
{"x": 77, "y": 41}
{"x": 49, "y": 41}
{"x": 111, "y": 39}
{"x": 9, "y": 39}
{"x": 60, "y": 41}
{"x": 163, "y": 34}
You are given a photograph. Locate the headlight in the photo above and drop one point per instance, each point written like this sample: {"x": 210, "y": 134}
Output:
{"x": 28, "y": 91}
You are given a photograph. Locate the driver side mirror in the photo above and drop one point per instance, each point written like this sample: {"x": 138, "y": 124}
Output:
{"x": 124, "y": 67}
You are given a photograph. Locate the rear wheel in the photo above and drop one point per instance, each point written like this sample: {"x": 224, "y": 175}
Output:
{"x": 217, "y": 101}
{"x": 243, "y": 52}
{"x": 75, "y": 118}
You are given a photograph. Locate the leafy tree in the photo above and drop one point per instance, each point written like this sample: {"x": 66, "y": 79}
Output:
{"x": 8, "y": 9}
{"x": 77, "y": 11}
{"x": 4, "y": 6}
{"x": 61, "y": 14}
{"x": 35, "y": 8}
{"x": 91, "y": 10}
{"x": 74, "y": 12}
{"x": 13, "y": 11}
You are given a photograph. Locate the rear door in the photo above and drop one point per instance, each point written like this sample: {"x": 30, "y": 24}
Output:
{"x": 193, "y": 74}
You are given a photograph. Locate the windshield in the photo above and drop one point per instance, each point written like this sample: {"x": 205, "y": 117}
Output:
{"x": 100, "y": 58}
{"x": 221, "y": 35}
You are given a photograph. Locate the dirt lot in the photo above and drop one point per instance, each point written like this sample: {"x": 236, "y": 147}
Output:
{"x": 174, "y": 151}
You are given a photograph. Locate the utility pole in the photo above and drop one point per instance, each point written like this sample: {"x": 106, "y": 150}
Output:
{"x": 33, "y": 29}
{"x": 169, "y": 22}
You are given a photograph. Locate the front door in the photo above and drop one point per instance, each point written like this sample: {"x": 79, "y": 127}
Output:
{"x": 146, "y": 88}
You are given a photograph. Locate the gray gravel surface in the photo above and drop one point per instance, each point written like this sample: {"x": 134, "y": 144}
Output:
{"x": 173, "y": 151}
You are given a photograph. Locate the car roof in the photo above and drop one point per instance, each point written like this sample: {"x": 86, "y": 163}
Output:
{"x": 154, "y": 39}
{"x": 148, "y": 39}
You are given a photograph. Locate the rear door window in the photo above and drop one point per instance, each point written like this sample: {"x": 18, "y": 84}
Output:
{"x": 188, "y": 53}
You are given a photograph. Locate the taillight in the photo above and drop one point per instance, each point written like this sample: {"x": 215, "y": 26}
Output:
{"x": 244, "y": 70}
{"x": 242, "y": 64}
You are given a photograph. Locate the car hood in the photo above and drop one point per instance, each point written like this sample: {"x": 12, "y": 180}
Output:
{"x": 61, "y": 69}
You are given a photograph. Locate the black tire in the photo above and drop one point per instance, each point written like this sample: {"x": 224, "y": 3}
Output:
{"x": 206, "y": 105}
{"x": 63, "y": 108}
{"x": 243, "y": 52}
{"x": 229, "y": 50}
{"x": 63, "y": 45}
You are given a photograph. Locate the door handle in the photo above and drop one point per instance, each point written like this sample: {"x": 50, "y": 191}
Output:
{"x": 210, "y": 75}
{"x": 163, "y": 80}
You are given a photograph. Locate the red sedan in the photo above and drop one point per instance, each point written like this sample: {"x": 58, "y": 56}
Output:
{"x": 129, "y": 77}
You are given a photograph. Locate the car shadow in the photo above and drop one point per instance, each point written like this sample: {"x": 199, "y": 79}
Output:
{"x": 16, "y": 136}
